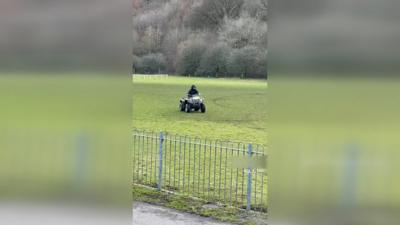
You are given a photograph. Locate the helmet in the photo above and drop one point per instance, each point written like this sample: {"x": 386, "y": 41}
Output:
{"x": 193, "y": 86}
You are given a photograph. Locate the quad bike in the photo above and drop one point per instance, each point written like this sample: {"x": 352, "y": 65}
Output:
{"x": 190, "y": 103}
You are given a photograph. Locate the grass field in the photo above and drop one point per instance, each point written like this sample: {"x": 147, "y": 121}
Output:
{"x": 316, "y": 124}
{"x": 334, "y": 146}
{"x": 312, "y": 122}
{"x": 63, "y": 135}
{"x": 236, "y": 109}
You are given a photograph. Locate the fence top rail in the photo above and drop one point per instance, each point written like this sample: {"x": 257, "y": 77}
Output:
{"x": 206, "y": 142}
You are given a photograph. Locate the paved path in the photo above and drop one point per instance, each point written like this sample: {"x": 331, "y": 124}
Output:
{"x": 146, "y": 214}
{"x": 33, "y": 213}
{"x": 60, "y": 213}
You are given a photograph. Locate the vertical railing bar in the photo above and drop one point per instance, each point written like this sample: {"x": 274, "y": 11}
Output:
{"x": 194, "y": 165}
{"x": 153, "y": 162}
{"x": 220, "y": 172}
{"x": 147, "y": 158}
{"x": 160, "y": 166}
{"x": 138, "y": 156}
{"x": 155, "y": 158}
{"x": 199, "y": 174}
{"x": 265, "y": 192}
{"x": 255, "y": 182}
{"x": 170, "y": 162}
{"x": 231, "y": 188}
{"x": 188, "y": 184}
{"x": 209, "y": 172}
{"x": 215, "y": 166}
{"x": 134, "y": 158}
{"x": 237, "y": 176}
{"x": 250, "y": 152}
{"x": 204, "y": 166}
{"x": 243, "y": 177}
{"x": 150, "y": 155}
{"x": 262, "y": 189}
{"x": 174, "y": 161}
{"x": 179, "y": 162}
{"x": 201, "y": 167}
{"x": 143, "y": 153}
{"x": 184, "y": 164}
{"x": 165, "y": 142}
{"x": 226, "y": 168}
{"x": 139, "y": 149}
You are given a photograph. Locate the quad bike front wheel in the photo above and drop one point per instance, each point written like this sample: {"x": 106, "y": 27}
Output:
{"x": 183, "y": 107}
{"x": 203, "y": 108}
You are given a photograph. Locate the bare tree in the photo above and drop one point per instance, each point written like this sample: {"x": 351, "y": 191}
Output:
{"x": 189, "y": 55}
{"x": 256, "y": 8}
{"x": 242, "y": 32}
{"x": 200, "y": 37}
{"x": 170, "y": 45}
{"x": 211, "y": 13}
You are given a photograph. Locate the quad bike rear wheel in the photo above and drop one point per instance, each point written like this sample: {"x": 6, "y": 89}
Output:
{"x": 188, "y": 108}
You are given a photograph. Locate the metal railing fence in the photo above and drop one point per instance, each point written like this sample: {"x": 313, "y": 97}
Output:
{"x": 200, "y": 168}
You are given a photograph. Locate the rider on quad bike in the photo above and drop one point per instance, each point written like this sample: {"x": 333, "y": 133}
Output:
{"x": 193, "y": 101}
{"x": 192, "y": 91}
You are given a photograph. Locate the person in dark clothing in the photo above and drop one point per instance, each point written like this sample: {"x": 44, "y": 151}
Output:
{"x": 192, "y": 91}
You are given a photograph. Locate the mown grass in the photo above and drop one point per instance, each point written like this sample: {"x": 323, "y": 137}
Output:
{"x": 315, "y": 125}
{"x": 236, "y": 109}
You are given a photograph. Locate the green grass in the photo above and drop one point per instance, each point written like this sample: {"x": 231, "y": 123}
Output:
{"x": 314, "y": 124}
{"x": 313, "y": 121}
{"x": 236, "y": 109}
{"x": 198, "y": 206}
{"x": 43, "y": 120}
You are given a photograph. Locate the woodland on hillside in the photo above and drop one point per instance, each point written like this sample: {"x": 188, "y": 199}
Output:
{"x": 212, "y": 38}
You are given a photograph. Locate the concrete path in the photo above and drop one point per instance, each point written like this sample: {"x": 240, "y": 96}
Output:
{"x": 34, "y": 213}
{"x": 51, "y": 213}
{"x": 146, "y": 214}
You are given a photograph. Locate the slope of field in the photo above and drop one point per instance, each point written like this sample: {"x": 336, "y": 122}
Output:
{"x": 236, "y": 109}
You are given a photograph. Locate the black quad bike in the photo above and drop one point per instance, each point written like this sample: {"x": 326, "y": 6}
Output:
{"x": 195, "y": 102}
